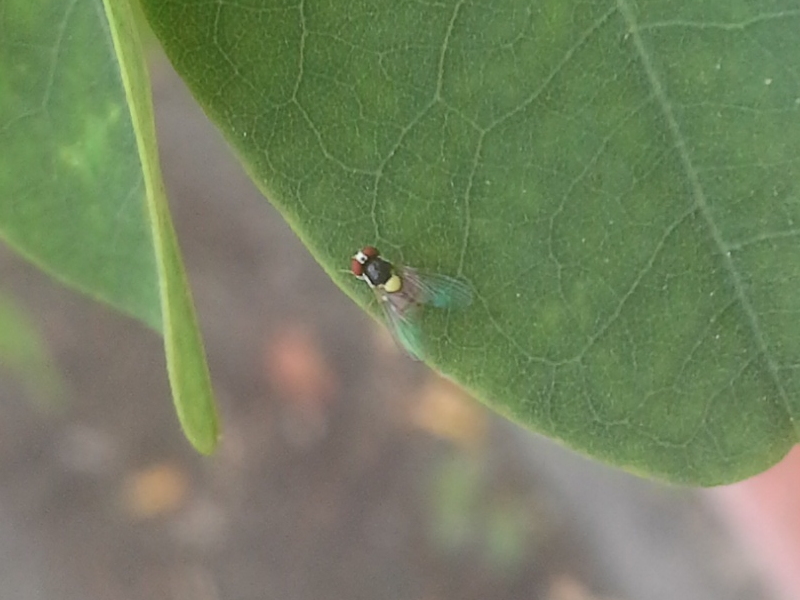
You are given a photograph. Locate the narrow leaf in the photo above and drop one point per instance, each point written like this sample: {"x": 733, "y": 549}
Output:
{"x": 186, "y": 364}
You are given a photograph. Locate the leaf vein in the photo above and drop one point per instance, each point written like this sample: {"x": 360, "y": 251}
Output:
{"x": 701, "y": 202}
{"x": 443, "y": 50}
{"x": 57, "y": 46}
{"x": 731, "y": 26}
{"x": 565, "y": 59}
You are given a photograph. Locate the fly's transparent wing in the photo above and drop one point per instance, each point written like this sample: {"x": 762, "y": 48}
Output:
{"x": 404, "y": 329}
{"x": 437, "y": 290}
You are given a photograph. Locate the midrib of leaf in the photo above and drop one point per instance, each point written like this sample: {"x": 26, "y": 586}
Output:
{"x": 701, "y": 204}
{"x": 741, "y": 26}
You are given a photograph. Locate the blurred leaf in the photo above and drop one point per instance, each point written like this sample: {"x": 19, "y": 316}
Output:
{"x": 155, "y": 490}
{"x": 507, "y": 535}
{"x": 23, "y": 352}
{"x": 618, "y": 182}
{"x": 71, "y": 187}
{"x": 445, "y": 410}
{"x": 454, "y": 495}
{"x": 80, "y": 177}
{"x": 564, "y": 586}
{"x": 298, "y": 369}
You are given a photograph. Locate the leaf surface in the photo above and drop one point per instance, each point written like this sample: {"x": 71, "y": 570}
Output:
{"x": 617, "y": 181}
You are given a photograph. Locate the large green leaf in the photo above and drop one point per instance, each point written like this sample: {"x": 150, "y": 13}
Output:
{"x": 618, "y": 181}
{"x": 80, "y": 189}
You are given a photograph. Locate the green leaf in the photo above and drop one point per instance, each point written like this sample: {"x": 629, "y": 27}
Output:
{"x": 186, "y": 362}
{"x": 71, "y": 188}
{"x": 618, "y": 182}
{"x": 80, "y": 189}
{"x": 24, "y": 353}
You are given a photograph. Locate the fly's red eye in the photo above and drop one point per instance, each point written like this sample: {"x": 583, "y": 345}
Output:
{"x": 356, "y": 267}
{"x": 370, "y": 252}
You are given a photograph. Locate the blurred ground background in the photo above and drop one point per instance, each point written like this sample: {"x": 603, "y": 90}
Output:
{"x": 346, "y": 470}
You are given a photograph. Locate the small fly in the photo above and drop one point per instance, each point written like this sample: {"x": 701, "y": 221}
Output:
{"x": 402, "y": 290}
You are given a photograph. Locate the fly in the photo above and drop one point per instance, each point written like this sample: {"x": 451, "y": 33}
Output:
{"x": 401, "y": 291}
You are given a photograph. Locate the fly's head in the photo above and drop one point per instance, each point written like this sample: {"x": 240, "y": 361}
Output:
{"x": 377, "y": 272}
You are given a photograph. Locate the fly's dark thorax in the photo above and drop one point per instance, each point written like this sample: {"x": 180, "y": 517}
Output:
{"x": 378, "y": 271}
